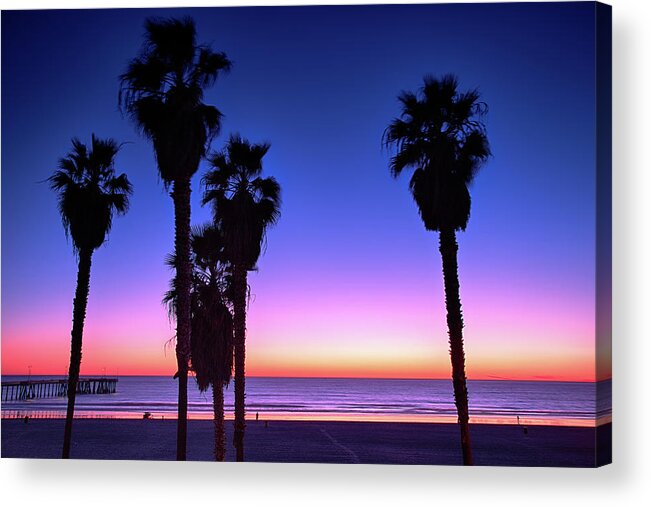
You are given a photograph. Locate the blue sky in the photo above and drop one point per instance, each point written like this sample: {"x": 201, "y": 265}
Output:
{"x": 320, "y": 84}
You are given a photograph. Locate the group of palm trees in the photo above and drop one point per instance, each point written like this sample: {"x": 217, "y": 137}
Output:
{"x": 162, "y": 92}
{"x": 222, "y": 252}
{"x": 439, "y": 135}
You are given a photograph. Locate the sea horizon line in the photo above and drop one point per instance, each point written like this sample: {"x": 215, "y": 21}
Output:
{"x": 321, "y": 377}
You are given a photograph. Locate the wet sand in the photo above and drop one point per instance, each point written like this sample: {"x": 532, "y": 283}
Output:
{"x": 311, "y": 442}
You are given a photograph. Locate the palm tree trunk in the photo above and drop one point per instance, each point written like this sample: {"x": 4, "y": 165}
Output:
{"x": 78, "y": 316}
{"x": 181, "y": 197}
{"x": 448, "y": 248}
{"x": 239, "y": 324}
{"x": 218, "y": 410}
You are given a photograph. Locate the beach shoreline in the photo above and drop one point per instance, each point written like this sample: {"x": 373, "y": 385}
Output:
{"x": 318, "y": 417}
{"x": 313, "y": 442}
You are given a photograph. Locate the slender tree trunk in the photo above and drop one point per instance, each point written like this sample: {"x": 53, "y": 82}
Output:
{"x": 448, "y": 247}
{"x": 78, "y": 317}
{"x": 181, "y": 197}
{"x": 239, "y": 324}
{"x": 218, "y": 409}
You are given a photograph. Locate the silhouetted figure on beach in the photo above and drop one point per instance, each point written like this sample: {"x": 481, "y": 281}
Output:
{"x": 257, "y": 416}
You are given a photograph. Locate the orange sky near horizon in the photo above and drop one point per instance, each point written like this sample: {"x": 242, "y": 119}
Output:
{"x": 291, "y": 361}
{"x": 548, "y": 337}
{"x": 312, "y": 367}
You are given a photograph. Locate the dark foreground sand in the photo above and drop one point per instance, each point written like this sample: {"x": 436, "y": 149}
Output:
{"x": 310, "y": 442}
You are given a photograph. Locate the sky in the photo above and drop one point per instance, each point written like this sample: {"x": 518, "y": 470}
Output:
{"x": 350, "y": 283}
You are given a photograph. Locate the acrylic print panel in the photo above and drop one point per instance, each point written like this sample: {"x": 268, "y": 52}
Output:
{"x": 343, "y": 234}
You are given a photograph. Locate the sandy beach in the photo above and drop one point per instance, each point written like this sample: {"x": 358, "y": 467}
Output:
{"x": 309, "y": 442}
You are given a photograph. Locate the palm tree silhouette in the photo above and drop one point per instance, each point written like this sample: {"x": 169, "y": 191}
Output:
{"x": 162, "y": 91}
{"x": 439, "y": 135}
{"x": 246, "y": 205}
{"x": 212, "y": 322}
{"x": 89, "y": 194}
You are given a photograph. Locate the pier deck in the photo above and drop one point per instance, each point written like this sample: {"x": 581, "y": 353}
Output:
{"x": 52, "y": 388}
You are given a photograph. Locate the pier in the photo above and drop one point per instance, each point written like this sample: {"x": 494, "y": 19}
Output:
{"x": 53, "y": 388}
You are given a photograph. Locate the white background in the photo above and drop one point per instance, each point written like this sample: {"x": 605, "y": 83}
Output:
{"x": 626, "y": 482}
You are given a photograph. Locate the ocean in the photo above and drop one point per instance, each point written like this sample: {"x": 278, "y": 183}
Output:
{"x": 491, "y": 401}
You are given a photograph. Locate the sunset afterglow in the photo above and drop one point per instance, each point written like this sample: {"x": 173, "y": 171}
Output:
{"x": 350, "y": 284}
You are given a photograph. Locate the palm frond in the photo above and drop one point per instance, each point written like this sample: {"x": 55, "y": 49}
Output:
{"x": 171, "y": 41}
{"x": 267, "y": 188}
{"x": 61, "y": 179}
{"x": 89, "y": 193}
{"x": 440, "y": 136}
{"x": 244, "y": 203}
{"x": 119, "y": 185}
{"x": 209, "y": 66}
{"x": 211, "y": 117}
{"x": 162, "y": 92}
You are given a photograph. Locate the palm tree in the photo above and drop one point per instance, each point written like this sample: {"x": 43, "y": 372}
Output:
{"x": 212, "y": 325}
{"x": 89, "y": 194}
{"x": 212, "y": 322}
{"x": 162, "y": 91}
{"x": 440, "y": 135}
{"x": 246, "y": 205}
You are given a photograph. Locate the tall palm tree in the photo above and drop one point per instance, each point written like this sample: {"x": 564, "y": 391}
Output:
{"x": 162, "y": 91}
{"x": 440, "y": 135}
{"x": 89, "y": 194}
{"x": 212, "y": 322}
{"x": 246, "y": 205}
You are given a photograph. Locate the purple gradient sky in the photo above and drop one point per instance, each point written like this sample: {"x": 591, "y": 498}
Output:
{"x": 351, "y": 282}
